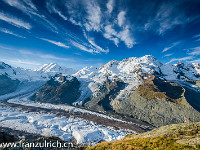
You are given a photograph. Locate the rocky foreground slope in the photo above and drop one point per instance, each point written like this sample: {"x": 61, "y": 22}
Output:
{"x": 172, "y": 137}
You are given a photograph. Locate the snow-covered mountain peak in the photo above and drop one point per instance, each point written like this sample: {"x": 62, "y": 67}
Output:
{"x": 181, "y": 71}
{"x": 48, "y": 67}
{"x": 87, "y": 72}
{"x": 145, "y": 64}
{"x": 53, "y": 68}
{"x": 149, "y": 59}
{"x": 4, "y": 65}
{"x": 20, "y": 73}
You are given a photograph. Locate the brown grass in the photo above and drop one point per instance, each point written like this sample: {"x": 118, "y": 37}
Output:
{"x": 174, "y": 137}
{"x": 155, "y": 88}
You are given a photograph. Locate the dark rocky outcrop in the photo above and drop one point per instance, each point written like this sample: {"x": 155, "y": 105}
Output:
{"x": 156, "y": 88}
{"x": 109, "y": 90}
{"x": 159, "y": 102}
{"x": 7, "y": 85}
{"x": 63, "y": 91}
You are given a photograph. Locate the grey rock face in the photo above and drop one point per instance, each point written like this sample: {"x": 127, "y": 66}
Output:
{"x": 155, "y": 103}
{"x": 109, "y": 91}
{"x": 59, "y": 92}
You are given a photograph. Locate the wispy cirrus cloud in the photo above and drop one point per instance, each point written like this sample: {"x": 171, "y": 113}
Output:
{"x": 96, "y": 48}
{"x": 51, "y": 6}
{"x": 25, "y": 6}
{"x": 167, "y": 17}
{"x": 167, "y": 55}
{"x": 92, "y": 47}
{"x": 82, "y": 47}
{"x": 55, "y": 43}
{"x": 180, "y": 59}
{"x": 170, "y": 47}
{"x": 197, "y": 37}
{"x": 28, "y": 8}
{"x": 11, "y": 33}
{"x": 15, "y": 21}
{"x": 195, "y": 51}
{"x": 195, "y": 61}
{"x": 92, "y": 18}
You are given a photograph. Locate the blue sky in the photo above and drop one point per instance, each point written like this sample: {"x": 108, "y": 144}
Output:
{"x": 79, "y": 33}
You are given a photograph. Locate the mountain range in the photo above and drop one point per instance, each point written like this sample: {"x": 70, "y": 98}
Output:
{"x": 140, "y": 88}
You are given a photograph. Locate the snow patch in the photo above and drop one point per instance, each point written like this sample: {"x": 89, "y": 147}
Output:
{"x": 65, "y": 128}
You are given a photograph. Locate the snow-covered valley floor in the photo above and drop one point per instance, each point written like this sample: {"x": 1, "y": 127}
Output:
{"x": 83, "y": 131}
{"x": 65, "y": 122}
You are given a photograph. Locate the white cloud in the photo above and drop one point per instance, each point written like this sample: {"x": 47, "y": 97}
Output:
{"x": 30, "y": 3}
{"x": 82, "y": 47}
{"x": 195, "y": 51}
{"x": 27, "y": 7}
{"x": 195, "y": 61}
{"x": 170, "y": 47}
{"x": 97, "y": 48}
{"x": 93, "y": 18}
{"x": 52, "y": 9}
{"x": 180, "y": 59}
{"x": 20, "y": 4}
{"x": 114, "y": 28}
{"x": 167, "y": 55}
{"x": 110, "y": 31}
{"x": 121, "y": 18}
{"x": 86, "y": 14}
{"x": 14, "y": 21}
{"x": 167, "y": 17}
{"x": 111, "y": 34}
{"x": 60, "y": 14}
{"x": 11, "y": 33}
{"x": 110, "y": 5}
{"x": 16, "y": 3}
{"x": 197, "y": 37}
{"x": 123, "y": 35}
{"x": 55, "y": 43}
{"x": 126, "y": 37}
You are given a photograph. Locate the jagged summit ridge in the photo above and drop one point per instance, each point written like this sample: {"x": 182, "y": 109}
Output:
{"x": 146, "y": 64}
